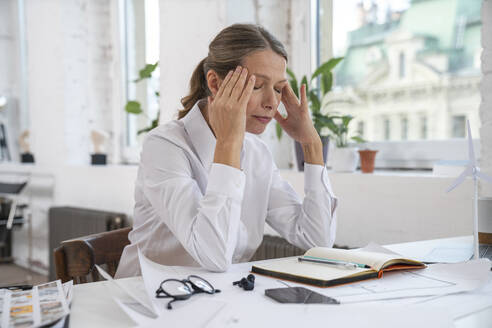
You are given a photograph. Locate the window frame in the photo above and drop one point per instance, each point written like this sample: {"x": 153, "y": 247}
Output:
{"x": 407, "y": 154}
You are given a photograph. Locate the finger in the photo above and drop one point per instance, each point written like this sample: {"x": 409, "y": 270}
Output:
{"x": 239, "y": 87}
{"x": 288, "y": 96}
{"x": 224, "y": 83}
{"x": 248, "y": 90}
{"x": 303, "y": 95}
{"x": 209, "y": 99}
{"x": 232, "y": 82}
{"x": 279, "y": 118}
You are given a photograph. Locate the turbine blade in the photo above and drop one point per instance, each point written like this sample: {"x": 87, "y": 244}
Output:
{"x": 484, "y": 177}
{"x": 459, "y": 180}
{"x": 471, "y": 152}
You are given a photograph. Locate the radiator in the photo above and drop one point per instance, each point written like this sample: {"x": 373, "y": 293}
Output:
{"x": 72, "y": 222}
{"x": 273, "y": 247}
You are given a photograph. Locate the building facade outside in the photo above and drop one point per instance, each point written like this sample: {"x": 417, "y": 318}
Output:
{"x": 414, "y": 77}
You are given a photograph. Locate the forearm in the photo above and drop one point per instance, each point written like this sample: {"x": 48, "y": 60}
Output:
{"x": 228, "y": 153}
{"x": 313, "y": 152}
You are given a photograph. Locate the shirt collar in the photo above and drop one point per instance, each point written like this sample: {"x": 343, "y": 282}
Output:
{"x": 201, "y": 135}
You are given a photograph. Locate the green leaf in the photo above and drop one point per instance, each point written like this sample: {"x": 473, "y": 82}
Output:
{"x": 133, "y": 107}
{"x": 147, "y": 71}
{"x": 293, "y": 82}
{"x": 147, "y": 129}
{"x": 315, "y": 103}
{"x": 278, "y": 129}
{"x": 326, "y": 83}
{"x": 358, "y": 139}
{"x": 326, "y": 67}
{"x": 346, "y": 120}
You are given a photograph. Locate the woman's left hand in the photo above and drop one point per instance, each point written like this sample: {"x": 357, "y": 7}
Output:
{"x": 298, "y": 123}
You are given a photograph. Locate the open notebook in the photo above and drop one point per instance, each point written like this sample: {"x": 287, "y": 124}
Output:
{"x": 325, "y": 275}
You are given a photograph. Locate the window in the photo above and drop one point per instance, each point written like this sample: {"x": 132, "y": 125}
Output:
{"x": 459, "y": 126}
{"x": 396, "y": 59}
{"x": 404, "y": 128}
{"x": 141, "y": 47}
{"x": 402, "y": 65}
{"x": 360, "y": 129}
{"x": 423, "y": 127}
{"x": 387, "y": 129}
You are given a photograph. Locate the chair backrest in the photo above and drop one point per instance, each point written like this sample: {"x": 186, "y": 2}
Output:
{"x": 75, "y": 258}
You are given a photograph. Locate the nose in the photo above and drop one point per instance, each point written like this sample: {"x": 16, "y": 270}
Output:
{"x": 270, "y": 100}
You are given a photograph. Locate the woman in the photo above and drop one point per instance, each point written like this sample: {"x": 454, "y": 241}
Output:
{"x": 206, "y": 184}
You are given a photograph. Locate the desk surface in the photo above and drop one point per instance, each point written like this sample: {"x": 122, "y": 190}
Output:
{"x": 93, "y": 306}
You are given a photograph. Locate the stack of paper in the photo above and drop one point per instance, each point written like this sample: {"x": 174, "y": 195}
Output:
{"x": 43, "y": 305}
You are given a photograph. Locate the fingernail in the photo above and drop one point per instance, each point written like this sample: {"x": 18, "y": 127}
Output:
{"x": 252, "y": 78}
{"x": 238, "y": 69}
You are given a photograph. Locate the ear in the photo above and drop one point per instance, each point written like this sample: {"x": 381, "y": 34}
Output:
{"x": 213, "y": 81}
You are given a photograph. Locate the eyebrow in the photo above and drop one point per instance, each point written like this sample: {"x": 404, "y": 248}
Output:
{"x": 267, "y": 77}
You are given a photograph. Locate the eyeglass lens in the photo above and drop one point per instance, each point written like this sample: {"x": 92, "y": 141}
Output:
{"x": 176, "y": 288}
{"x": 202, "y": 284}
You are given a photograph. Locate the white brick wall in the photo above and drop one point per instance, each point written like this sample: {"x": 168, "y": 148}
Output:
{"x": 7, "y": 43}
{"x": 70, "y": 56}
{"x": 486, "y": 91}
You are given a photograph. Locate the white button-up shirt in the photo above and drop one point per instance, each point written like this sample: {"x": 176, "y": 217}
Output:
{"x": 190, "y": 211}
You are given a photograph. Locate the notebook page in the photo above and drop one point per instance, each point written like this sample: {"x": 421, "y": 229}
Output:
{"x": 374, "y": 260}
{"x": 311, "y": 270}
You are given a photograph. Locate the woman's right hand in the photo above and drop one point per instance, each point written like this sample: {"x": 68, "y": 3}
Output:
{"x": 227, "y": 109}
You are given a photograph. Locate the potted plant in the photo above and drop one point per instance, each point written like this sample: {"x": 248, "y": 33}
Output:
{"x": 344, "y": 158}
{"x": 134, "y": 107}
{"x": 315, "y": 96}
{"x": 367, "y": 160}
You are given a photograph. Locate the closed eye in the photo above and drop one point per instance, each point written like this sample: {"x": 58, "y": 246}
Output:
{"x": 259, "y": 87}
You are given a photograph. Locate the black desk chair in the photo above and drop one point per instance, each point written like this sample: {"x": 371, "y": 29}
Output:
{"x": 11, "y": 215}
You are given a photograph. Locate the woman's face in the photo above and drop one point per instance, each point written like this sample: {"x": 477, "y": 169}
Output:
{"x": 269, "y": 69}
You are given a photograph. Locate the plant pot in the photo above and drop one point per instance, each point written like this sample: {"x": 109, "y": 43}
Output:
{"x": 98, "y": 159}
{"x": 300, "y": 154}
{"x": 27, "y": 158}
{"x": 367, "y": 159}
{"x": 344, "y": 159}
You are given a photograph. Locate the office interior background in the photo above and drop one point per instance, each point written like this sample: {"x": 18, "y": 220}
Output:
{"x": 413, "y": 72}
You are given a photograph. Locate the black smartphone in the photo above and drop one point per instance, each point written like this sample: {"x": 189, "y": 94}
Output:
{"x": 298, "y": 295}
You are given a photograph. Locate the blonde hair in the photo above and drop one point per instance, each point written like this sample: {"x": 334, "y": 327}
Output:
{"x": 226, "y": 51}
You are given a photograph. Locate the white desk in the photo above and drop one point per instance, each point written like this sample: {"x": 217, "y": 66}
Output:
{"x": 93, "y": 307}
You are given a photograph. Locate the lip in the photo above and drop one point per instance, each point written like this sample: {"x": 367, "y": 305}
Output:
{"x": 263, "y": 119}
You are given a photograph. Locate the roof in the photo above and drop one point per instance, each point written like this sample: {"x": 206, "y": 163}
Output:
{"x": 448, "y": 27}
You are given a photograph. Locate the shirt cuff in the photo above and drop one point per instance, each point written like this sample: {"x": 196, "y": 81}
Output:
{"x": 316, "y": 179}
{"x": 226, "y": 180}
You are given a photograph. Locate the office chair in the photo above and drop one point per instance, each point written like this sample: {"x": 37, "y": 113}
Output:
{"x": 75, "y": 259}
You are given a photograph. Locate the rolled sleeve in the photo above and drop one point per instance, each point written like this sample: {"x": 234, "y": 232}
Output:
{"x": 227, "y": 180}
{"x": 316, "y": 179}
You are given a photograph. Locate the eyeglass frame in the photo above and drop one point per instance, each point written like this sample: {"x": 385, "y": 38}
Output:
{"x": 195, "y": 290}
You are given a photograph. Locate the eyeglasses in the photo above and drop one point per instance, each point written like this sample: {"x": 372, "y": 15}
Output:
{"x": 180, "y": 290}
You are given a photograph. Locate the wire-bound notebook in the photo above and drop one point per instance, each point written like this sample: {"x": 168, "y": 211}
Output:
{"x": 366, "y": 265}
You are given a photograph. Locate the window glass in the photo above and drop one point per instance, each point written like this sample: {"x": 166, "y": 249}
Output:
{"x": 403, "y": 72}
{"x": 459, "y": 126}
{"x": 404, "y": 128}
{"x": 141, "y": 48}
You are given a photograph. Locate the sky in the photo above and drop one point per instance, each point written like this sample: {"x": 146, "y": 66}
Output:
{"x": 345, "y": 18}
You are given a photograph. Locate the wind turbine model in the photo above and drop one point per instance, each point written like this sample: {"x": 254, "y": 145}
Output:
{"x": 473, "y": 171}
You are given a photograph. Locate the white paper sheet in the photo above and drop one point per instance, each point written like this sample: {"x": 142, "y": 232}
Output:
{"x": 129, "y": 292}
{"x": 313, "y": 315}
{"x": 450, "y": 254}
{"x": 436, "y": 279}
